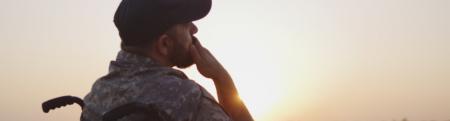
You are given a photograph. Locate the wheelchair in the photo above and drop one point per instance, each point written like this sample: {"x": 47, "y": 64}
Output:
{"x": 150, "y": 111}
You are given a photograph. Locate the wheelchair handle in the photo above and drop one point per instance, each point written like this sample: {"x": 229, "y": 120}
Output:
{"x": 61, "y": 101}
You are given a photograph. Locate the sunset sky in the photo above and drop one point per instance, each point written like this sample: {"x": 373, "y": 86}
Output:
{"x": 292, "y": 60}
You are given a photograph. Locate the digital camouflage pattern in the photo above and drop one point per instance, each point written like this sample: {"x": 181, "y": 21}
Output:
{"x": 134, "y": 78}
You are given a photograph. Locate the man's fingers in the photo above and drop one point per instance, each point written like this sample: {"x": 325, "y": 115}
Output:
{"x": 194, "y": 53}
{"x": 199, "y": 48}
{"x": 198, "y": 44}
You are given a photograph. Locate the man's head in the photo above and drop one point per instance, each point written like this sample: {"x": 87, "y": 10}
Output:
{"x": 160, "y": 28}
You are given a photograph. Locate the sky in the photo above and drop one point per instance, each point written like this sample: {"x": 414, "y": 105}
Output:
{"x": 292, "y": 60}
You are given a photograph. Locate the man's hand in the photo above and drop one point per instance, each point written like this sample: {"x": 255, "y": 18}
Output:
{"x": 206, "y": 63}
{"x": 227, "y": 93}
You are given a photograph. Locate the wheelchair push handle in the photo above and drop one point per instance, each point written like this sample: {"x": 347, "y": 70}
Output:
{"x": 60, "y": 102}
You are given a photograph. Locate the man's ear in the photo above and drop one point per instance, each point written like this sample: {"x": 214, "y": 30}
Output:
{"x": 163, "y": 44}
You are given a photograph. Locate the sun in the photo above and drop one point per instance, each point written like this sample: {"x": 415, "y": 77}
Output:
{"x": 260, "y": 90}
{"x": 260, "y": 100}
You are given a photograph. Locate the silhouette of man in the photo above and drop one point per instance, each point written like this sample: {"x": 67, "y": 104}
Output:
{"x": 156, "y": 36}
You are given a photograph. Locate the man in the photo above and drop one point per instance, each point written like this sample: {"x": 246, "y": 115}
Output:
{"x": 156, "y": 36}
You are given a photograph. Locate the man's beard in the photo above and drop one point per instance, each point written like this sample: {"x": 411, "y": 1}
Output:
{"x": 181, "y": 58}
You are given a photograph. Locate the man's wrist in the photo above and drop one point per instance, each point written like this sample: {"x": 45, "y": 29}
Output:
{"x": 222, "y": 77}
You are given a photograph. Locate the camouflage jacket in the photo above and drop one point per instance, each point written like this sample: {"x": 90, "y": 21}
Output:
{"x": 134, "y": 78}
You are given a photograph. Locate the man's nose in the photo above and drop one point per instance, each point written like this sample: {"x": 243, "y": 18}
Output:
{"x": 194, "y": 28}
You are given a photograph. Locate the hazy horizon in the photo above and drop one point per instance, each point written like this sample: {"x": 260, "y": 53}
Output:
{"x": 292, "y": 60}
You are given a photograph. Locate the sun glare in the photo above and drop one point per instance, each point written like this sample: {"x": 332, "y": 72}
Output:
{"x": 260, "y": 90}
{"x": 260, "y": 99}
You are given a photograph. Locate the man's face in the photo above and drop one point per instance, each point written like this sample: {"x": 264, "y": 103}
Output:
{"x": 182, "y": 36}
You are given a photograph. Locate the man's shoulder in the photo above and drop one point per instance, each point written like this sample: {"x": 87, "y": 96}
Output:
{"x": 152, "y": 82}
{"x": 170, "y": 84}
{"x": 172, "y": 92}
{"x": 169, "y": 89}
{"x": 165, "y": 78}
